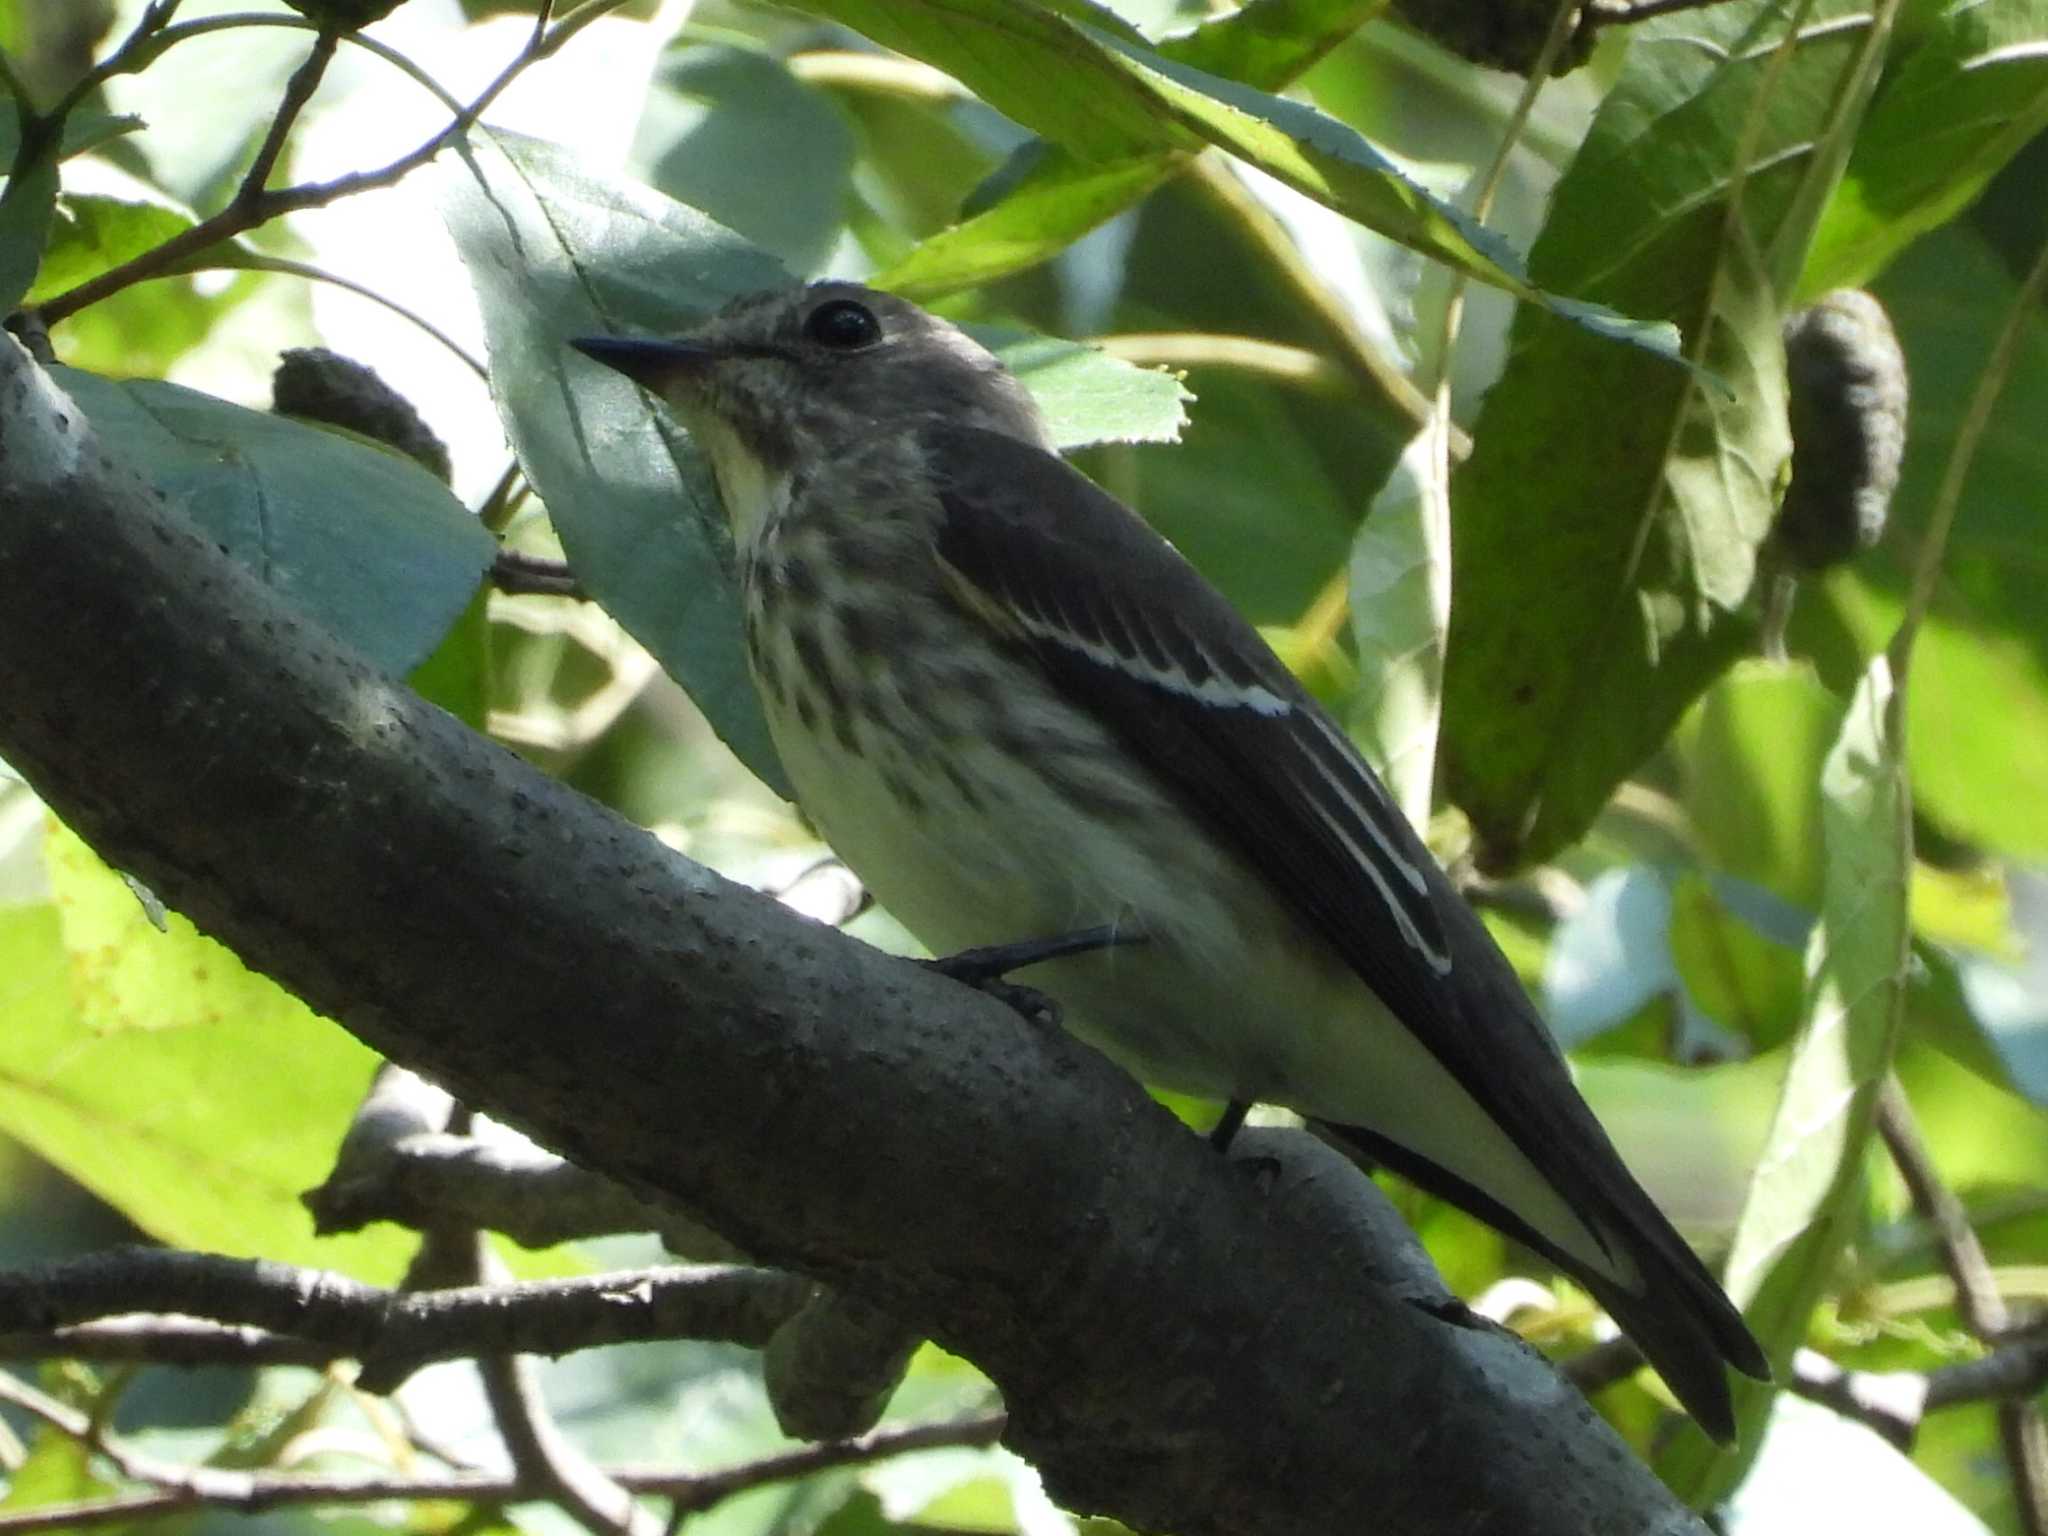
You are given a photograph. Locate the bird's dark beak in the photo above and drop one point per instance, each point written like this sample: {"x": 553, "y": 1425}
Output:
{"x": 654, "y": 364}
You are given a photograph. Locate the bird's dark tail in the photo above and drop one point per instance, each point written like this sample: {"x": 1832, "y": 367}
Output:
{"x": 1678, "y": 1316}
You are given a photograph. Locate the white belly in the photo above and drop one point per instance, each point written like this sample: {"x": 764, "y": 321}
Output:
{"x": 1227, "y": 997}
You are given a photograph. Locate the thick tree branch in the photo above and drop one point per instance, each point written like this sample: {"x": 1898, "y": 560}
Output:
{"x": 1179, "y": 1342}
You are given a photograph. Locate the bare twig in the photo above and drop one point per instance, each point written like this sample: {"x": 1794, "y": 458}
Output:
{"x": 540, "y": 1454}
{"x": 2016, "y": 1368}
{"x": 537, "y": 1449}
{"x": 525, "y": 575}
{"x": 188, "y": 1484}
{"x": 178, "y": 1488}
{"x": 1892, "y": 1403}
{"x": 146, "y": 44}
{"x": 1983, "y": 1310}
{"x": 253, "y": 205}
{"x": 2025, "y": 1439}
{"x": 298, "y": 91}
{"x": 392, "y": 1333}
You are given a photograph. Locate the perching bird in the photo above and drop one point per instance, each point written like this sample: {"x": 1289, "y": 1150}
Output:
{"x": 1016, "y": 711}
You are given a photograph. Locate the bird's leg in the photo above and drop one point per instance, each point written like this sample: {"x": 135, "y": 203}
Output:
{"x": 1225, "y": 1130}
{"x": 984, "y": 968}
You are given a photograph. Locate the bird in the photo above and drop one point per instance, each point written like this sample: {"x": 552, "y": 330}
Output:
{"x": 1014, "y": 709}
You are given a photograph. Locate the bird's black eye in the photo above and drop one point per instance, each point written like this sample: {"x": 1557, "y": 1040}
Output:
{"x": 843, "y": 325}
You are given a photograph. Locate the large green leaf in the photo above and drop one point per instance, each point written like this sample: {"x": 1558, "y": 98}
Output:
{"x": 557, "y": 252}
{"x": 1751, "y": 753}
{"x": 1055, "y": 203}
{"x": 716, "y": 117}
{"x": 1969, "y": 88}
{"x": 365, "y": 542}
{"x": 1806, "y": 1193}
{"x": 93, "y": 233}
{"x": 1608, "y": 521}
{"x": 1061, "y": 196}
{"x": 27, "y": 205}
{"x": 1105, "y": 98}
{"x": 193, "y": 1095}
{"x": 1400, "y": 599}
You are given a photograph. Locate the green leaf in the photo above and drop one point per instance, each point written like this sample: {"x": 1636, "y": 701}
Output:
{"x": 1063, "y": 196}
{"x": 1088, "y": 396}
{"x": 1742, "y": 980}
{"x": 1970, "y": 89}
{"x": 1602, "y": 563}
{"x": 1269, "y": 43}
{"x": 83, "y": 132}
{"x": 1032, "y": 65}
{"x": 1058, "y": 201}
{"x": 1104, "y": 97}
{"x": 362, "y": 541}
{"x": 57, "y": 1470}
{"x": 1807, "y": 1190}
{"x": 1752, "y": 751}
{"x": 26, "y": 208}
{"x": 193, "y": 1095}
{"x": 92, "y": 234}
{"x": 1400, "y": 603}
{"x": 557, "y": 253}
{"x": 716, "y": 117}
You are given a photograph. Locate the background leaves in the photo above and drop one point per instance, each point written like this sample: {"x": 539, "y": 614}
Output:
{"x": 1658, "y": 796}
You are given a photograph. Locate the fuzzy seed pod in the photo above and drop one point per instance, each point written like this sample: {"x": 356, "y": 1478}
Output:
{"x": 1847, "y": 383}
{"x": 344, "y": 15}
{"x": 314, "y": 384}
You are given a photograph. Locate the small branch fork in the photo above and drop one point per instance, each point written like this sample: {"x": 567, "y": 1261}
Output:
{"x": 255, "y": 202}
{"x": 410, "y": 1154}
{"x": 173, "y": 1488}
{"x": 2015, "y": 1370}
{"x": 2012, "y": 1372}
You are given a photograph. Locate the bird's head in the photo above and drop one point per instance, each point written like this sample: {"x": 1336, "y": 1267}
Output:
{"x": 798, "y": 375}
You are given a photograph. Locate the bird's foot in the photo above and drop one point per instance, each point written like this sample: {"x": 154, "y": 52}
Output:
{"x": 1225, "y": 1130}
{"x": 984, "y": 968}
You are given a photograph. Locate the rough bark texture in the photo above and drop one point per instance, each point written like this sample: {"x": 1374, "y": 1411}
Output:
{"x": 1177, "y": 1346}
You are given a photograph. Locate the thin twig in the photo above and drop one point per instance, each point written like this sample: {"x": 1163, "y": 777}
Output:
{"x": 526, "y": 575}
{"x": 298, "y": 91}
{"x": 540, "y": 1454}
{"x": 248, "y": 209}
{"x": 177, "y": 1488}
{"x": 504, "y": 498}
{"x": 2025, "y": 1439}
{"x": 1983, "y": 1310}
{"x": 2015, "y": 1369}
{"x": 393, "y": 1333}
{"x": 188, "y": 1484}
{"x": 132, "y": 57}
{"x": 286, "y": 267}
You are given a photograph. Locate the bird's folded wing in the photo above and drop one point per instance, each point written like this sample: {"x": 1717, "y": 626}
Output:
{"x": 1131, "y": 632}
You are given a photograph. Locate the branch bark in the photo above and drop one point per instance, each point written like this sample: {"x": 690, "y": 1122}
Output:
{"x": 1180, "y": 1342}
